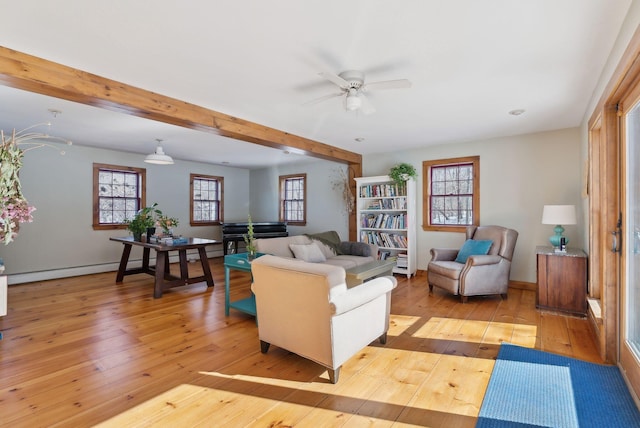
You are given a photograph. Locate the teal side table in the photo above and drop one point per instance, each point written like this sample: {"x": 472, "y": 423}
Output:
{"x": 238, "y": 262}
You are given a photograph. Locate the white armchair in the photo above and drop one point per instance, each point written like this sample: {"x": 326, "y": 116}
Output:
{"x": 306, "y": 308}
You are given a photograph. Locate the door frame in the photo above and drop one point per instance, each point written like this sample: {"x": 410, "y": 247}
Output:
{"x": 606, "y": 205}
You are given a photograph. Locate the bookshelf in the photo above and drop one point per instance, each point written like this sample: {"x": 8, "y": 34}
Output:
{"x": 386, "y": 216}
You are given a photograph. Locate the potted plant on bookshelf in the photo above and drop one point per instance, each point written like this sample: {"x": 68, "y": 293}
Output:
{"x": 402, "y": 172}
{"x": 250, "y": 241}
{"x": 144, "y": 219}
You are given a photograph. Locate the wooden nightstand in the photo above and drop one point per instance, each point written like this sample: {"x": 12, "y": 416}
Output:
{"x": 562, "y": 280}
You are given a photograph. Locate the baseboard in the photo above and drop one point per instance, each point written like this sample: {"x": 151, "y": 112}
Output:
{"x": 522, "y": 285}
{"x": 45, "y": 275}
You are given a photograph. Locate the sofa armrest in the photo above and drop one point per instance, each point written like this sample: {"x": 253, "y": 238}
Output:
{"x": 361, "y": 294}
{"x": 444, "y": 254}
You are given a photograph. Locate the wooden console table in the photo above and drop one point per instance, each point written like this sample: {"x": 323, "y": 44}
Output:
{"x": 562, "y": 280}
{"x": 163, "y": 279}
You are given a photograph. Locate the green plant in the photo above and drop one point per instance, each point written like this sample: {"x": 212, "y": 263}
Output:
{"x": 144, "y": 219}
{"x": 249, "y": 240}
{"x": 401, "y": 172}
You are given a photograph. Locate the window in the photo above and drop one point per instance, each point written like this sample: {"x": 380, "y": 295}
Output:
{"x": 293, "y": 203}
{"x": 451, "y": 199}
{"x": 206, "y": 199}
{"x": 118, "y": 193}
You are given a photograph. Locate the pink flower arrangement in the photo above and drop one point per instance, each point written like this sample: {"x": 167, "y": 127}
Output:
{"x": 13, "y": 212}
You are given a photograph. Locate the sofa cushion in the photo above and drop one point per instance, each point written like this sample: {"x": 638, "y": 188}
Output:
{"x": 473, "y": 247}
{"x": 280, "y": 246}
{"x": 355, "y": 248}
{"x": 308, "y": 252}
{"x": 347, "y": 261}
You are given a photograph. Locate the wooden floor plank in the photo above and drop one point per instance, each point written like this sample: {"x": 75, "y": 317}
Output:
{"x": 85, "y": 351}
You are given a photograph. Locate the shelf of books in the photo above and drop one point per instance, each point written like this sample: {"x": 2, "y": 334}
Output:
{"x": 386, "y": 215}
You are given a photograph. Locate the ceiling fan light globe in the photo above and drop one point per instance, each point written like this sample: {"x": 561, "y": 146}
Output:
{"x": 353, "y": 102}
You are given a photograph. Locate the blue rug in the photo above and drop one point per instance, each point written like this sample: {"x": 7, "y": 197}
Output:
{"x": 531, "y": 388}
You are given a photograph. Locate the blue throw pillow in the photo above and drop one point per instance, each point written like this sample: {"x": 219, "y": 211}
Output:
{"x": 473, "y": 248}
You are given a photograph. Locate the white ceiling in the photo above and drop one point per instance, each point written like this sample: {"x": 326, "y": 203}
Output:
{"x": 470, "y": 63}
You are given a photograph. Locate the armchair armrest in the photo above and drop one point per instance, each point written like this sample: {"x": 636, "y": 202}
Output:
{"x": 482, "y": 260}
{"x": 444, "y": 254}
{"x": 361, "y": 294}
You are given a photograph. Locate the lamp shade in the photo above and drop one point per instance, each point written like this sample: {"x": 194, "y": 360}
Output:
{"x": 559, "y": 214}
{"x": 159, "y": 157}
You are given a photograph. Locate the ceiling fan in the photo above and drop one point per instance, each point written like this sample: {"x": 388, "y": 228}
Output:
{"x": 353, "y": 88}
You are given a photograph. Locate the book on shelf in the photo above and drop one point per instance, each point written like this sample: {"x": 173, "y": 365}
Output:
{"x": 384, "y": 221}
{"x": 387, "y": 255}
{"x": 382, "y": 190}
{"x": 384, "y": 239}
{"x": 403, "y": 261}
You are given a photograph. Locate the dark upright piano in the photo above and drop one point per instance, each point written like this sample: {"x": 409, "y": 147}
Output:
{"x": 232, "y": 233}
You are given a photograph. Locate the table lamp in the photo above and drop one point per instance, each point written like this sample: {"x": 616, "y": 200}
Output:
{"x": 558, "y": 215}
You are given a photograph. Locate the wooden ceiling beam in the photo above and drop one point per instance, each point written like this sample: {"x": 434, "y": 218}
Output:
{"x": 27, "y": 72}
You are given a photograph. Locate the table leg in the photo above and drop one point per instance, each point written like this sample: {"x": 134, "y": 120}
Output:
{"x": 226, "y": 291}
{"x": 161, "y": 264}
{"x": 123, "y": 263}
{"x": 145, "y": 258}
{"x": 206, "y": 269}
{"x": 184, "y": 269}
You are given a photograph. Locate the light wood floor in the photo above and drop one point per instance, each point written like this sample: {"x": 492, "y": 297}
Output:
{"x": 84, "y": 351}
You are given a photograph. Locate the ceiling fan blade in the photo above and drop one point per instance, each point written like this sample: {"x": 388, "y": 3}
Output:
{"x": 367, "y": 107}
{"x": 323, "y": 98}
{"x": 387, "y": 84}
{"x": 335, "y": 79}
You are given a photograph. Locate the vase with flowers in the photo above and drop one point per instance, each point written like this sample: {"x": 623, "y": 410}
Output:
{"x": 167, "y": 224}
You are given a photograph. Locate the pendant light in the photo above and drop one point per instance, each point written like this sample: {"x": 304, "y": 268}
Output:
{"x": 159, "y": 157}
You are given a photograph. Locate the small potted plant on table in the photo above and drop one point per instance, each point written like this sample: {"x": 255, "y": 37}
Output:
{"x": 250, "y": 242}
{"x": 144, "y": 219}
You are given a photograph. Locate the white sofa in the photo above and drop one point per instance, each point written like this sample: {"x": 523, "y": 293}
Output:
{"x": 306, "y": 308}
{"x": 332, "y": 250}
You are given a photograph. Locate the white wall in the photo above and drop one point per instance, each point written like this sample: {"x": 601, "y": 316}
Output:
{"x": 325, "y": 207}
{"x": 518, "y": 176}
{"x": 61, "y": 240}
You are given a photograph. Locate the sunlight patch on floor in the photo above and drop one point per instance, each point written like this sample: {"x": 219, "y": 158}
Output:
{"x": 486, "y": 332}
{"x": 398, "y": 324}
{"x": 418, "y": 383}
